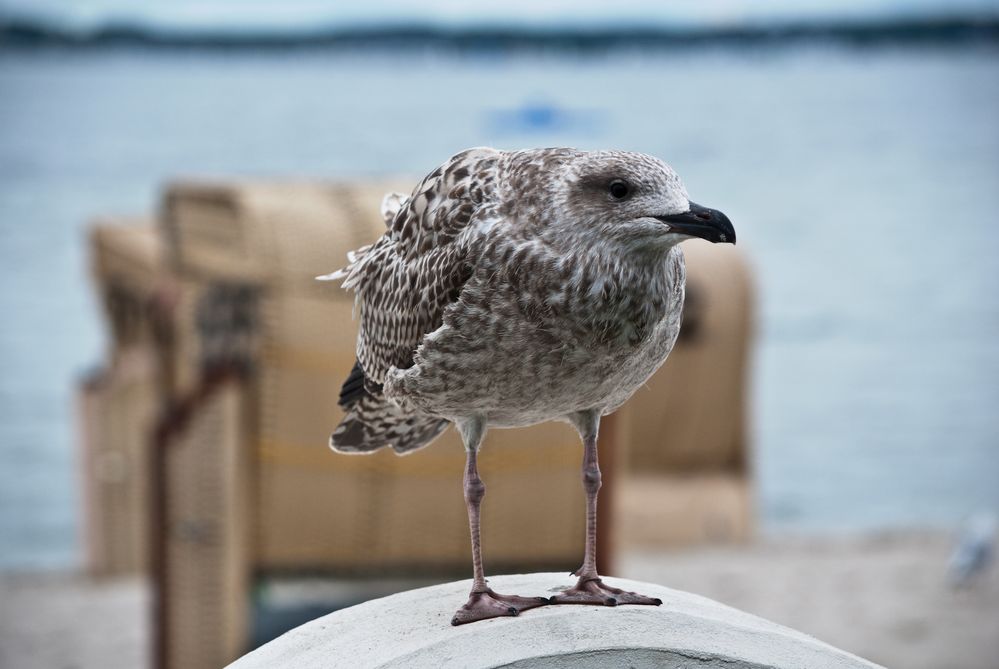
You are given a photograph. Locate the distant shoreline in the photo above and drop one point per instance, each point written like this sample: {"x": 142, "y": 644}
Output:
{"x": 20, "y": 34}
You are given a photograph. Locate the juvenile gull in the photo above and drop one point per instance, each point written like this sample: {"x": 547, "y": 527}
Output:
{"x": 513, "y": 288}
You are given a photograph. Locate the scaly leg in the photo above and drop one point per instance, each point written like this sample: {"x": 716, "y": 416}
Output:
{"x": 482, "y": 601}
{"x": 589, "y": 589}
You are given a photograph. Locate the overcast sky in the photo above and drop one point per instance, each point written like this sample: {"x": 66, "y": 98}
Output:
{"x": 311, "y": 13}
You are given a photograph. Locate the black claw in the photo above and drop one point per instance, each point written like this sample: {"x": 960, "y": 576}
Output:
{"x": 611, "y": 601}
{"x": 658, "y": 601}
{"x": 513, "y": 611}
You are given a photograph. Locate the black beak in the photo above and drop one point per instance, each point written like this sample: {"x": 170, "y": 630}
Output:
{"x": 709, "y": 224}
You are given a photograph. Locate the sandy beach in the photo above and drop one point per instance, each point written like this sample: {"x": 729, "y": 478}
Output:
{"x": 883, "y": 597}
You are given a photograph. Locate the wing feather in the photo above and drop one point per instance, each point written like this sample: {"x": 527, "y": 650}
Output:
{"x": 406, "y": 279}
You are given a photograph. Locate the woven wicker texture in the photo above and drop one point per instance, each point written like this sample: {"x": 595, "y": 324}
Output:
{"x": 207, "y": 535}
{"x": 117, "y": 407}
{"x": 116, "y": 413}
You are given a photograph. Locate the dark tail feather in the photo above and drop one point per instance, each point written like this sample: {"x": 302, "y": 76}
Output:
{"x": 373, "y": 422}
{"x": 353, "y": 388}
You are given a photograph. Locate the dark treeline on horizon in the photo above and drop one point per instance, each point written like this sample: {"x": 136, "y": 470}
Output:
{"x": 25, "y": 33}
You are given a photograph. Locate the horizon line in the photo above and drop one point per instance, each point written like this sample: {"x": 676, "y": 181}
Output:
{"x": 22, "y": 31}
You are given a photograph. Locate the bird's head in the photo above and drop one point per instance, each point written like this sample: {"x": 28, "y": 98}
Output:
{"x": 635, "y": 199}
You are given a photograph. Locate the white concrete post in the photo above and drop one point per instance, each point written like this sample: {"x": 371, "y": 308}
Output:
{"x": 413, "y": 629}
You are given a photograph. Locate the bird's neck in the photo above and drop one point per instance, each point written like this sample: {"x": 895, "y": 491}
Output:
{"x": 633, "y": 272}
{"x": 628, "y": 294}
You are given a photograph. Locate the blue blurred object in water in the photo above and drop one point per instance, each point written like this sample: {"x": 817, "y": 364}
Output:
{"x": 541, "y": 117}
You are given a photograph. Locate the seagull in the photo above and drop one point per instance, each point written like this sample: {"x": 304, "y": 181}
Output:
{"x": 512, "y": 288}
{"x": 974, "y": 551}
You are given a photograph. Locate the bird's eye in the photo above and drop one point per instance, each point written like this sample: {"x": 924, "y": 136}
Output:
{"x": 619, "y": 189}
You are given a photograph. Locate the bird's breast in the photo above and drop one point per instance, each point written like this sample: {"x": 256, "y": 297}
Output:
{"x": 625, "y": 303}
{"x": 533, "y": 349}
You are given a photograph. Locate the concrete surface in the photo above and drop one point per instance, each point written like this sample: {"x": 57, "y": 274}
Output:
{"x": 60, "y": 620}
{"x": 412, "y": 629}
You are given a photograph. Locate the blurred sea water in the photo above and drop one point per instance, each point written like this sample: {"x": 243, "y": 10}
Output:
{"x": 864, "y": 183}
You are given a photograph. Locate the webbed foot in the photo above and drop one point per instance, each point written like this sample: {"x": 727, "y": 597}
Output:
{"x": 488, "y": 604}
{"x": 595, "y": 592}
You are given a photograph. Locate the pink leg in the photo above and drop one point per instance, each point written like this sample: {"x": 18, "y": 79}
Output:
{"x": 482, "y": 602}
{"x": 589, "y": 589}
